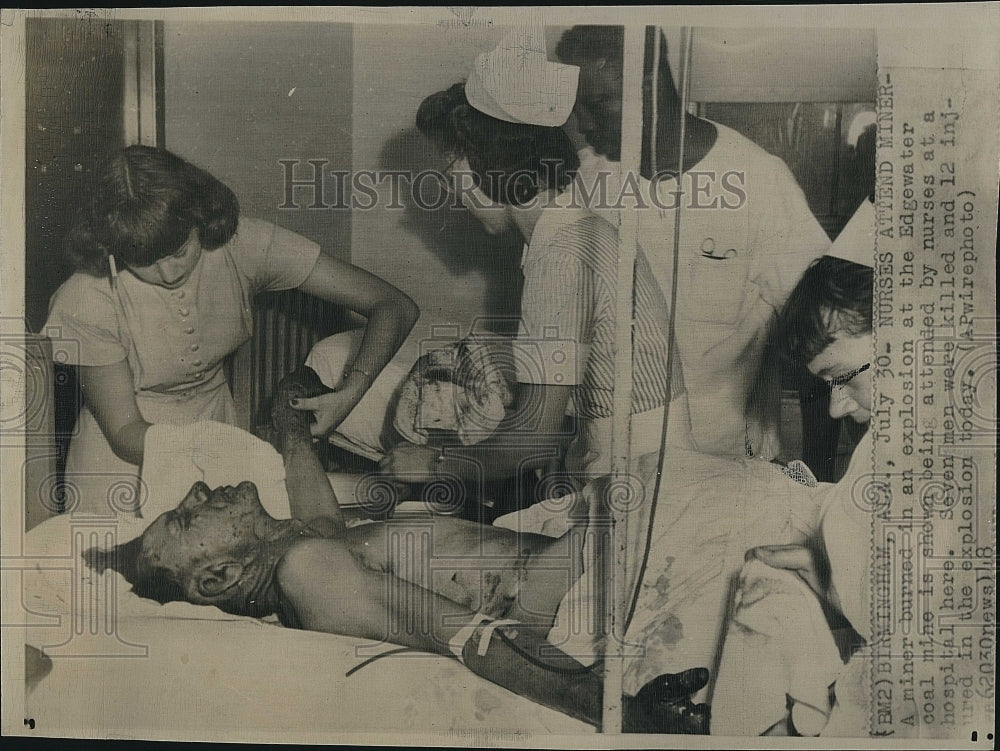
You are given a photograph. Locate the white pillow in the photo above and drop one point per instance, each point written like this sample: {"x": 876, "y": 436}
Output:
{"x": 177, "y": 456}
{"x": 48, "y": 589}
{"x": 367, "y": 430}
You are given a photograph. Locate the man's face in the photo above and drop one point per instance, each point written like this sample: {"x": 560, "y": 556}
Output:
{"x": 599, "y": 106}
{"x": 208, "y": 525}
{"x": 437, "y": 409}
{"x": 846, "y": 365}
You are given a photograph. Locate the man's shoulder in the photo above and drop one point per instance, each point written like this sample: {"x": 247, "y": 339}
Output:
{"x": 306, "y": 582}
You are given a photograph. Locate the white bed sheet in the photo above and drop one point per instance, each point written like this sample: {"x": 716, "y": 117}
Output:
{"x": 196, "y": 672}
{"x": 249, "y": 680}
{"x": 183, "y": 671}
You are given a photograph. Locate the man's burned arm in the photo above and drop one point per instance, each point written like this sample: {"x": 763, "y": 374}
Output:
{"x": 310, "y": 496}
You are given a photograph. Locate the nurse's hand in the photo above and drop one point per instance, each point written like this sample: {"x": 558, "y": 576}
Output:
{"x": 798, "y": 559}
{"x": 410, "y": 463}
{"x": 329, "y": 409}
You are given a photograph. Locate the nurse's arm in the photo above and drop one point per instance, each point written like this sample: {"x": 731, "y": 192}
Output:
{"x": 390, "y": 315}
{"x": 110, "y": 397}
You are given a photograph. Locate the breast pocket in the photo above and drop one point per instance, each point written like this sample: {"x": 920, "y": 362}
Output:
{"x": 717, "y": 286}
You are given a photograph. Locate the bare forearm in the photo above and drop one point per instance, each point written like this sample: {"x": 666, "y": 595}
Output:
{"x": 110, "y": 395}
{"x": 523, "y": 661}
{"x": 388, "y": 312}
{"x": 310, "y": 496}
{"x": 498, "y": 457}
{"x": 383, "y": 335}
{"x": 386, "y": 330}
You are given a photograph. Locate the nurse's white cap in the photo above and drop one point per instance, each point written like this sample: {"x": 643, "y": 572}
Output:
{"x": 516, "y": 82}
{"x": 856, "y": 242}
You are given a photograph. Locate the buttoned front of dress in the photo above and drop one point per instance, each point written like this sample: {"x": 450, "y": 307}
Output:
{"x": 179, "y": 338}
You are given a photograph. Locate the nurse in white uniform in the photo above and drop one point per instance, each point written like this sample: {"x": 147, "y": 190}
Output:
{"x": 746, "y": 236}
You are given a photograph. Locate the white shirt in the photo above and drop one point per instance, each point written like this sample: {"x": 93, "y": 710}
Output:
{"x": 745, "y": 241}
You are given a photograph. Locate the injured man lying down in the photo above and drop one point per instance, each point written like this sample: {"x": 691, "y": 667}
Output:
{"x": 492, "y": 611}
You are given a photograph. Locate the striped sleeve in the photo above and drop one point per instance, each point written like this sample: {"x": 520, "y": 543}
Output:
{"x": 556, "y": 312}
{"x": 569, "y": 298}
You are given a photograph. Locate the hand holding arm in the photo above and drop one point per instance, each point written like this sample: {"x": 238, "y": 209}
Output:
{"x": 330, "y": 409}
{"x": 798, "y": 559}
{"x": 390, "y": 314}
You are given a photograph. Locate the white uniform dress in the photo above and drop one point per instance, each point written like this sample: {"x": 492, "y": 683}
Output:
{"x": 736, "y": 268}
{"x": 174, "y": 341}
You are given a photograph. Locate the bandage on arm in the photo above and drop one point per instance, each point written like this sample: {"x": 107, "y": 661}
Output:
{"x": 529, "y": 437}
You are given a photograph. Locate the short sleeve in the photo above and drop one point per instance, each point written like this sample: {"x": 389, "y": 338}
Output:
{"x": 556, "y": 312}
{"x": 83, "y": 323}
{"x": 271, "y": 257}
{"x": 787, "y": 237}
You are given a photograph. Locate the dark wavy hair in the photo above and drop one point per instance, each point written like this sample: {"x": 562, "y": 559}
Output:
{"x": 152, "y": 582}
{"x": 585, "y": 42}
{"x": 144, "y": 204}
{"x": 833, "y": 296}
{"x": 159, "y": 583}
{"x": 511, "y": 162}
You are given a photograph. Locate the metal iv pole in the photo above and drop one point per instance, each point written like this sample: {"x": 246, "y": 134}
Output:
{"x": 618, "y": 599}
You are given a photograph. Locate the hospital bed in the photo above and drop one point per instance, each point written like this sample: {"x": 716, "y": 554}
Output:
{"x": 103, "y": 662}
{"x": 116, "y": 665}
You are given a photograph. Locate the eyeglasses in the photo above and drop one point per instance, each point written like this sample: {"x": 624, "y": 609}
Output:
{"x": 448, "y": 177}
{"x": 448, "y": 187}
{"x": 843, "y": 380}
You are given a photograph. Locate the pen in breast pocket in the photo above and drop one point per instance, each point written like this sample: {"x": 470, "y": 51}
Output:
{"x": 708, "y": 250}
